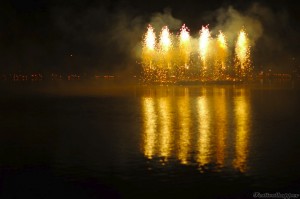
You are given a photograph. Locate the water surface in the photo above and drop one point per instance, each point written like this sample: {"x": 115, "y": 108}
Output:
{"x": 179, "y": 141}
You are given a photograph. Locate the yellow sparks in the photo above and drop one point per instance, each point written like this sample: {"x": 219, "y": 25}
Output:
{"x": 165, "y": 39}
{"x": 204, "y": 44}
{"x": 184, "y": 35}
{"x": 150, "y": 39}
{"x": 222, "y": 41}
{"x": 148, "y": 53}
{"x": 242, "y": 47}
{"x": 185, "y": 45}
{"x": 222, "y": 50}
{"x": 165, "y": 54}
{"x": 166, "y": 58}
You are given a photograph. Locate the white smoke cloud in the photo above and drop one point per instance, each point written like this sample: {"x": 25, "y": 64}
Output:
{"x": 158, "y": 20}
{"x": 231, "y": 21}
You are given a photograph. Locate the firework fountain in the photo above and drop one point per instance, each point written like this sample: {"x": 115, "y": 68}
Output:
{"x": 204, "y": 43}
{"x": 184, "y": 53}
{"x": 165, "y": 55}
{"x": 172, "y": 59}
{"x": 185, "y": 46}
{"x": 242, "y": 53}
{"x": 221, "y": 69}
{"x": 165, "y": 44}
{"x": 149, "y": 54}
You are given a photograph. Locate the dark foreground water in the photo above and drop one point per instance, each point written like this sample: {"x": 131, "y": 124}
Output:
{"x": 151, "y": 142}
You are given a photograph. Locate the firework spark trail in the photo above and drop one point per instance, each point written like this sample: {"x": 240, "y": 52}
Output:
{"x": 204, "y": 41}
{"x": 185, "y": 45}
{"x": 171, "y": 59}
{"x": 149, "y": 46}
{"x": 165, "y": 40}
{"x": 150, "y": 39}
{"x": 222, "y": 51}
{"x": 165, "y": 47}
{"x": 241, "y": 47}
{"x": 242, "y": 51}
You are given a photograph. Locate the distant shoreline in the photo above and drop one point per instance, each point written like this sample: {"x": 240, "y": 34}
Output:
{"x": 96, "y": 88}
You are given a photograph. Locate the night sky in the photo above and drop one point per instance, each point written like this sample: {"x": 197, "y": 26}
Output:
{"x": 90, "y": 35}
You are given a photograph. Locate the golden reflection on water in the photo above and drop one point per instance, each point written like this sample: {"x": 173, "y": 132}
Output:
{"x": 196, "y": 125}
{"x": 150, "y": 123}
{"x": 204, "y": 129}
{"x": 242, "y": 114}
{"x": 165, "y": 116}
{"x": 221, "y": 125}
{"x": 184, "y": 126}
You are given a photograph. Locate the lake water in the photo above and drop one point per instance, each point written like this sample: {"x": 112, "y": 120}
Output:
{"x": 151, "y": 142}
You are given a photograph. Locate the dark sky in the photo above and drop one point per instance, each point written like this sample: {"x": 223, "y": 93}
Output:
{"x": 41, "y": 35}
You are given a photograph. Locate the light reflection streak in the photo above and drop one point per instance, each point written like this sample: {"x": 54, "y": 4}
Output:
{"x": 242, "y": 114}
{"x": 204, "y": 129}
{"x": 165, "y": 126}
{"x": 150, "y": 123}
{"x": 184, "y": 126}
{"x": 197, "y": 125}
{"x": 221, "y": 129}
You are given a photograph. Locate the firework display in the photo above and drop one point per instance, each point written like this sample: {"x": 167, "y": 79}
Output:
{"x": 171, "y": 58}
